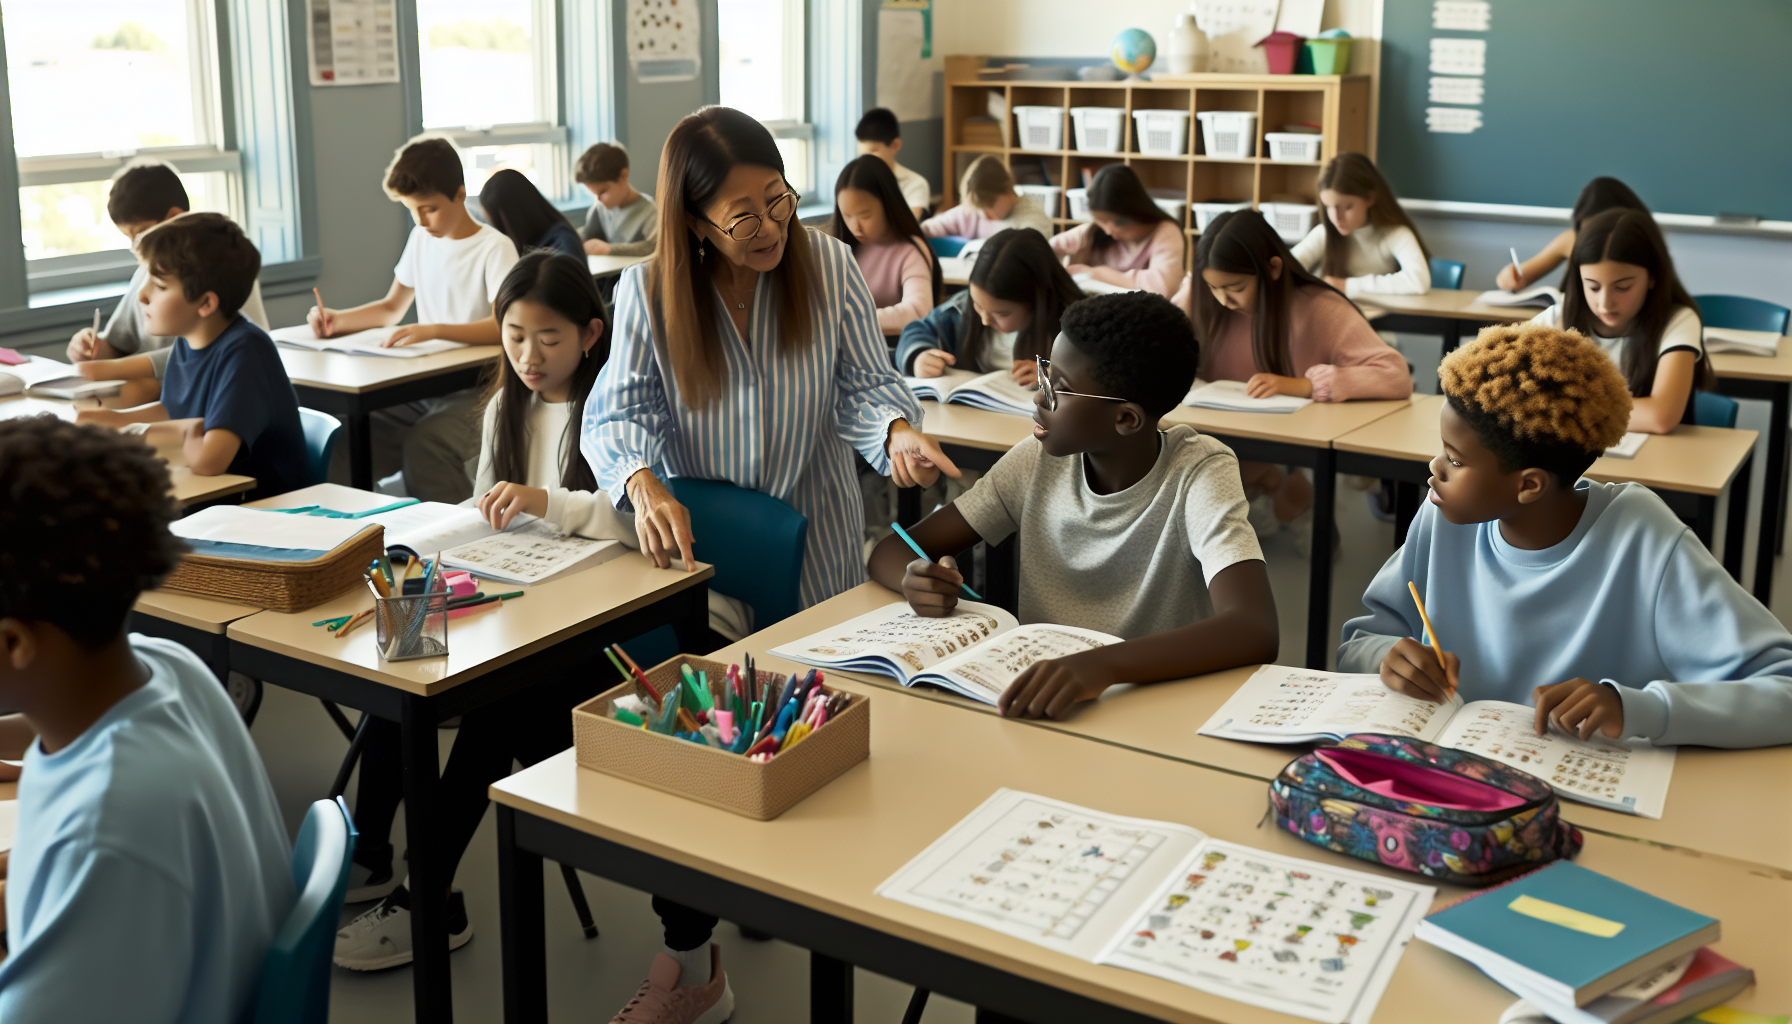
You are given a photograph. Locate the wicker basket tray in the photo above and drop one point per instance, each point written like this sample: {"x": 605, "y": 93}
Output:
{"x": 281, "y": 586}
{"x": 758, "y": 790}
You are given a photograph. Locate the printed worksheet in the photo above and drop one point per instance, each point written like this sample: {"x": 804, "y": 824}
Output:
{"x": 1279, "y": 704}
{"x": 1286, "y": 934}
{"x": 983, "y": 672}
{"x": 533, "y": 553}
{"x": 371, "y": 342}
{"x": 1630, "y": 776}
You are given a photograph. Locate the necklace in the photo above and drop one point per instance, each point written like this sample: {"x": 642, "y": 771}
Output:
{"x": 740, "y": 305}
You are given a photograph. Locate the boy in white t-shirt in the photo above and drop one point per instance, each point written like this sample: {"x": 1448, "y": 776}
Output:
{"x": 451, "y": 266}
{"x": 880, "y": 135}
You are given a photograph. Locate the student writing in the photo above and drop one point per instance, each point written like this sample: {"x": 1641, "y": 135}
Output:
{"x": 1591, "y": 601}
{"x": 869, "y": 216}
{"x": 1266, "y": 320}
{"x": 1130, "y": 241}
{"x": 151, "y": 867}
{"x": 1009, "y": 315}
{"x": 1621, "y": 291}
{"x": 225, "y": 395}
{"x": 1128, "y": 529}
{"x": 1365, "y": 242}
{"x": 990, "y": 205}
{"x": 879, "y": 134}
{"x": 623, "y": 222}
{"x": 512, "y": 204}
{"x": 1596, "y": 197}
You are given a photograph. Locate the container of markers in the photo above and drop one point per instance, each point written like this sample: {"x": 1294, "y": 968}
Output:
{"x": 760, "y": 788}
{"x": 413, "y": 625}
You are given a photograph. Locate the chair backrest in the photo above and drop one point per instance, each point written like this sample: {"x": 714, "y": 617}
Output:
{"x": 754, "y": 540}
{"x": 295, "y": 975}
{"x": 949, "y": 246}
{"x": 1710, "y": 409}
{"x": 321, "y": 430}
{"x": 1446, "y": 274}
{"x": 1741, "y": 314}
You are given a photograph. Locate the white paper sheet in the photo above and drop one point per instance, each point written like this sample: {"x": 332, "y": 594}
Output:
{"x": 530, "y": 554}
{"x": 1467, "y": 91}
{"x": 234, "y": 524}
{"x": 1627, "y": 448}
{"x": 904, "y": 77}
{"x": 431, "y": 526}
{"x": 1459, "y": 56}
{"x": 1230, "y": 394}
{"x": 1233, "y": 29}
{"x": 370, "y": 342}
{"x": 1753, "y": 343}
{"x": 1461, "y": 15}
{"x": 1452, "y": 120}
{"x": 9, "y": 823}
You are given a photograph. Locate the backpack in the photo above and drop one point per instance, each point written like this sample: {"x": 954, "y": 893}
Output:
{"x": 1437, "y": 811}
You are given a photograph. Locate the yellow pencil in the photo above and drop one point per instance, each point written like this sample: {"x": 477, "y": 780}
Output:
{"x": 1435, "y": 649}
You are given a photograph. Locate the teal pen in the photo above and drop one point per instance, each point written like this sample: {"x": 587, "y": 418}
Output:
{"x": 916, "y": 548}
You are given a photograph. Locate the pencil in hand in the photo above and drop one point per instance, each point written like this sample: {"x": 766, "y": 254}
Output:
{"x": 916, "y": 548}
{"x": 1430, "y": 631}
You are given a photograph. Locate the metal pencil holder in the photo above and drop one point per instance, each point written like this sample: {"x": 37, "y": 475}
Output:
{"x": 412, "y": 626}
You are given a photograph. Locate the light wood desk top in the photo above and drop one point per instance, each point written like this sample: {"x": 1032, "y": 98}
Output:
{"x": 974, "y": 428}
{"x": 1697, "y": 460}
{"x": 1775, "y": 367}
{"x": 189, "y": 487}
{"x": 1705, "y": 806}
{"x": 206, "y": 614}
{"x": 606, "y": 266}
{"x": 1449, "y": 303}
{"x": 931, "y": 765}
{"x": 340, "y": 371}
{"x": 1314, "y": 426}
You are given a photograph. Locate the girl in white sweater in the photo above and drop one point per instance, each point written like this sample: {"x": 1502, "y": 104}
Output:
{"x": 1365, "y": 242}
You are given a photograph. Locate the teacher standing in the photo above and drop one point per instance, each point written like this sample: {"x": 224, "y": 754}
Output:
{"x": 747, "y": 350}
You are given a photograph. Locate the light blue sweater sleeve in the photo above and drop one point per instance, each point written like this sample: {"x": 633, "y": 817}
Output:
{"x": 1390, "y": 614}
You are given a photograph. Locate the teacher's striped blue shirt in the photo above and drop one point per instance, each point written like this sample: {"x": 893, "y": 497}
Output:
{"x": 786, "y": 424}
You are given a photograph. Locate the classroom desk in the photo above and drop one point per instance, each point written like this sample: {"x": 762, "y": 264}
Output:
{"x": 351, "y": 387}
{"x": 1768, "y": 379}
{"x": 1695, "y": 461}
{"x": 1440, "y": 311}
{"x": 613, "y": 266}
{"x": 560, "y": 627}
{"x": 189, "y": 487}
{"x": 1703, "y": 806}
{"x": 196, "y": 623}
{"x": 808, "y": 877}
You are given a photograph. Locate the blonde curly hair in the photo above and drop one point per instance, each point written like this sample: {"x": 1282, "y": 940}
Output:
{"x": 1543, "y": 386}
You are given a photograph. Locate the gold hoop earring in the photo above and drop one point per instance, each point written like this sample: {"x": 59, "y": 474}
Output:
{"x": 702, "y": 249}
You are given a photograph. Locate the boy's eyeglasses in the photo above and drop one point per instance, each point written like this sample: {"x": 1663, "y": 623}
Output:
{"x": 1051, "y": 391}
{"x": 747, "y": 226}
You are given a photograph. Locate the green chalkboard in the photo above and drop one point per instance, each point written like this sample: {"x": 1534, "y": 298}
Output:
{"x": 1687, "y": 101}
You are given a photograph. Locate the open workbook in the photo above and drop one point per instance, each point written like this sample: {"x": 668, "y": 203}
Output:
{"x": 1230, "y": 394}
{"x": 370, "y": 342}
{"x": 1281, "y": 933}
{"x": 976, "y": 651}
{"x": 1279, "y": 704}
{"x": 995, "y": 391}
{"x": 1540, "y": 296}
{"x": 531, "y": 550}
{"x": 1748, "y": 343}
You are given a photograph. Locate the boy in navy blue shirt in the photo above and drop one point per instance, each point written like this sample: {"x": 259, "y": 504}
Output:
{"x": 225, "y": 393}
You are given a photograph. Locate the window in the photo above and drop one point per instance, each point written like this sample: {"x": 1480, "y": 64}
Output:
{"x": 762, "y": 73}
{"x": 94, "y": 85}
{"x": 488, "y": 82}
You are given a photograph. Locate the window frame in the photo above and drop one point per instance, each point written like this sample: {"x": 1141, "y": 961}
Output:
{"x": 795, "y": 85}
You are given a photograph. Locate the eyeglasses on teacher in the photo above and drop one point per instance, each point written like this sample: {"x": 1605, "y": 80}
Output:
{"x": 747, "y": 226}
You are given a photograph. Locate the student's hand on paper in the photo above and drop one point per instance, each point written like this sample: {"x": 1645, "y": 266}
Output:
{"x": 84, "y": 345}
{"x": 916, "y": 459}
{"x": 1335, "y": 281}
{"x": 1052, "y": 688}
{"x": 99, "y": 417}
{"x": 1025, "y": 372}
{"x": 931, "y": 588}
{"x": 1411, "y": 668}
{"x": 506, "y": 500}
{"x": 933, "y": 362}
{"x": 1580, "y": 706}
{"x": 1078, "y": 268}
{"x": 1268, "y": 385}
{"x": 662, "y": 524}
{"x": 411, "y": 334}
{"x": 322, "y": 321}
{"x": 94, "y": 369}
{"x": 1508, "y": 278}
{"x": 596, "y": 247}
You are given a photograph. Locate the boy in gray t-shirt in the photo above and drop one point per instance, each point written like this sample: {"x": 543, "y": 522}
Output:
{"x": 1124, "y": 528}
{"x": 622, "y": 222}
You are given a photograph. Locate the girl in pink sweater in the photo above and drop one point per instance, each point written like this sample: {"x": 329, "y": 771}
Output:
{"x": 1131, "y": 241}
{"x": 872, "y": 218}
{"x": 1264, "y": 319}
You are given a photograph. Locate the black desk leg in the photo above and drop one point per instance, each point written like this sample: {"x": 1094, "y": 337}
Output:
{"x": 1407, "y": 498}
{"x": 1452, "y": 335}
{"x": 1319, "y": 587}
{"x": 1736, "y": 522}
{"x": 522, "y": 927}
{"x": 1773, "y": 492}
{"x": 1704, "y": 520}
{"x": 429, "y": 882}
{"x": 830, "y": 990}
{"x": 689, "y": 614}
{"x": 359, "y": 429}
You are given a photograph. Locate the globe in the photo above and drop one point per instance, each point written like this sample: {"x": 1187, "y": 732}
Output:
{"x": 1134, "y": 50}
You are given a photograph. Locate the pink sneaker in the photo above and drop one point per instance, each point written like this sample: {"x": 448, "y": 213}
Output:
{"x": 659, "y": 1000}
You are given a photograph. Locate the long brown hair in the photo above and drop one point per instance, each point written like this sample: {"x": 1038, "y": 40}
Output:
{"x": 870, "y": 175}
{"x": 701, "y": 151}
{"x": 1242, "y": 242}
{"x": 1118, "y": 192}
{"x": 1018, "y": 265}
{"x": 1354, "y": 174}
{"x": 564, "y": 285}
{"x": 1629, "y": 235}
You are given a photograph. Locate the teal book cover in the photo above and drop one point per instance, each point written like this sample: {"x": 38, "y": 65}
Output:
{"x": 1573, "y": 926}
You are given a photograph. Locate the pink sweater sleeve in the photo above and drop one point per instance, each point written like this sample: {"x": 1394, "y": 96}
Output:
{"x": 1072, "y": 242}
{"x": 1162, "y": 272}
{"x": 917, "y": 293}
{"x": 961, "y": 220}
{"x": 1345, "y": 358}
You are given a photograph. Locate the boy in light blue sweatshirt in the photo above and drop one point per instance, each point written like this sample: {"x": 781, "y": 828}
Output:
{"x": 1591, "y": 601}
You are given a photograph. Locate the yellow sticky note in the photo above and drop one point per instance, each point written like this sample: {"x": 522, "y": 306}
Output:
{"x": 1567, "y": 917}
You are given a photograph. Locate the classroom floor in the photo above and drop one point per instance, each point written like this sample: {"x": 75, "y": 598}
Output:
{"x": 590, "y": 980}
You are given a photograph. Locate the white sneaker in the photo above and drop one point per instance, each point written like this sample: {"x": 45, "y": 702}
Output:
{"x": 381, "y": 938}
{"x": 1262, "y": 516}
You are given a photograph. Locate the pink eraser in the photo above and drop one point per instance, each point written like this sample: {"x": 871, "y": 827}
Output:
{"x": 12, "y": 358}
{"x": 725, "y": 725}
{"x": 460, "y": 584}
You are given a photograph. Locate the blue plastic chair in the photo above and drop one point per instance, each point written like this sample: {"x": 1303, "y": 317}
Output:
{"x": 754, "y": 540}
{"x": 949, "y": 246}
{"x": 321, "y": 430}
{"x": 1446, "y": 274}
{"x": 1737, "y": 313}
{"x": 1710, "y": 409}
{"x": 295, "y": 974}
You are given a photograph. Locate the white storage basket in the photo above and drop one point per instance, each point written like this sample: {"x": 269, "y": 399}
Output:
{"x": 1293, "y": 147}
{"x": 1046, "y": 194}
{"x": 1078, "y": 199}
{"x": 1099, "y": 129}
{"x": 1161, "y": 132}
{"x": 1229, "y": 133}
{"x": 1291, "y": 220}
{"x": 1039, "y": 129}
{"x": 1205, "y": 212}
{"x": 1173, "y": 207}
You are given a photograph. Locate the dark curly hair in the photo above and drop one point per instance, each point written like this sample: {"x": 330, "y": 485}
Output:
{"x": 1142, "y": 347}
{"x": 85, "y": 514}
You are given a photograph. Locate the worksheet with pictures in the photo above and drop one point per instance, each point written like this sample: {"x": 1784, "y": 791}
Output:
{"x": 1630, "y": 776}
{"x": 894, "y": 641}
